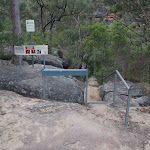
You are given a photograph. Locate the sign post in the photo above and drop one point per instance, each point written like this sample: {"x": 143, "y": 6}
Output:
{"x": 30, "y": 27}
{"x": 32, "y": 55}
{"x": 20, "y": 62}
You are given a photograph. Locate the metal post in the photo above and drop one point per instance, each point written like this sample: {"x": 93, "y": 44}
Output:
{"x": 128, "y": 105}
{"x": 43, "y": 88}
{"x": 103, "y": 91}
{"x": 20, "y": 62}
{"x": 114, "y": 95}
{"x": 32, "y": 55}
{"x": 86, "y": 89}
{"x": 44, "y": 61}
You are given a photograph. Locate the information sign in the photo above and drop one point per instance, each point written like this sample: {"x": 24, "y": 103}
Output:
{"x": 31, "y": 50}
{"x": 30, "y": 26}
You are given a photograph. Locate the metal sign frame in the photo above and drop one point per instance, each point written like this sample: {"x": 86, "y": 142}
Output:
{"x": 64, "y": 72}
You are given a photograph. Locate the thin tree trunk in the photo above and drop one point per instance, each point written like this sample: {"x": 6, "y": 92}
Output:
{"x": 15, "y": 17}
{"x": 79, "y": 30}
{"x": 42, "y": 19}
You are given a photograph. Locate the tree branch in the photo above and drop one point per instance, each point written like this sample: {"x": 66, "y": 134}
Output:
{"x": 133, "y": 31}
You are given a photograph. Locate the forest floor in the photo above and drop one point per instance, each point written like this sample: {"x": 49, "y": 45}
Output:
{"x": 36, "y": 124}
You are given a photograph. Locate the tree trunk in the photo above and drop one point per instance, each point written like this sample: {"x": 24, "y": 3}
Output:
{"x": 79, "y": 30}
{"x": 15, "y": 17}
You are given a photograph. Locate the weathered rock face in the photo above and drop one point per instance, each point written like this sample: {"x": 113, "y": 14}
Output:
{"x": 66, "y": 63}
{"x": 122, "y": 90}
{"x": 62, "y": 54}
{"x": 65, "y": 55}
{"x": 28, "y": 82}
{"x": 138, "y": 95}
{"x": 100, "y": 12}
{"x": 49, "y": 60}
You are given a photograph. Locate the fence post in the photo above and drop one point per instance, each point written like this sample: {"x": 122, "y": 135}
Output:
{"x": 128, "y": 105}
{"x": 20, "y": 62}
{"x": 114, "y": 95}
{"x": 103, "y": 91}
{"x": 43, "y": 87}
{"x": 44, "y": 61}
{"x": 86, "y": 89}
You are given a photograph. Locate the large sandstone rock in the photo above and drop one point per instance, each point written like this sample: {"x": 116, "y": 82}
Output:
{"x": 35, "y": 124}
{"x": 63, "y": 54}
{"x": 28, "y": 82}
{"x": 138, "y": 95}
{"x": 49, "y": 60}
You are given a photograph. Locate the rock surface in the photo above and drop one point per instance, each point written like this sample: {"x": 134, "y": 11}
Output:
{"x": 36, "y": 124}
{"x": 28, "y": 82}
{"x": 122, "y": 90}
{"x": 63, "y": 54}
{"x": 138, "y": 95}
{"x": 100, "y": 12}
{"x": 4, "y": 62}
{"x": 49, "y": 60}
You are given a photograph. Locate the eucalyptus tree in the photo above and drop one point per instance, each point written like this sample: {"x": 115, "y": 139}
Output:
{"x": 133, "y": 11}
{"x": 53, "y": 11}
{"x": 10, "y": 26}
{"x": 5, "y": 24}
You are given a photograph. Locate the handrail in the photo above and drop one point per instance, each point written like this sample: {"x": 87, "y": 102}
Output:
{"x": 116, "y": 72}
{"x": 125, "y": 83}
{"x": 109, "y": 75}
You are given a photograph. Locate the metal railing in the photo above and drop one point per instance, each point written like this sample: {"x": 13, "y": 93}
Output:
{"x": 116, "y": 72}
{"x": 64, "y": 72}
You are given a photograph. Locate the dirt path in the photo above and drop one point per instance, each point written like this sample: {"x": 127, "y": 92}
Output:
{"x": 34, "y": 124}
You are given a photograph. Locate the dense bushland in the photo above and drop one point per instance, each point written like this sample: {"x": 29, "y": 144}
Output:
{"x": 72, "y": 25}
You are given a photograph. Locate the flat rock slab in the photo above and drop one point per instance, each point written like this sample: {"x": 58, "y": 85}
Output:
{"x": 28, "y": 82}
{"x": 34, "y": 124}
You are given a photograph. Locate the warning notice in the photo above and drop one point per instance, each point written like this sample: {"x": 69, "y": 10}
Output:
{"x": 31, "y": 50}
{"x": 30, "y": 26}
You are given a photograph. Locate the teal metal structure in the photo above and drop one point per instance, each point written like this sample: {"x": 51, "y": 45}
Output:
{"x": 116, "y": 72}
{"x": 84, "y": 72}
{"x": 64, "y": 72}
{"x": 32, "y": 55}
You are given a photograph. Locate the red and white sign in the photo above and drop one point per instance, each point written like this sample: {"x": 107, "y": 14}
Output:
{"x": 31, "y": 50}
{"x": 31, "y": 47}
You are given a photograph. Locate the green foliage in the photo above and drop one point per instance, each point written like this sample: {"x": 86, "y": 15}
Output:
{"x": 6, "y": 57}
{"x": 115, "y": 46}
{"x": 97, "y": 50}
{"x": 68, "y": 25}
{"x": 39, "y": 38}
{"x": 7, "y": 37}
